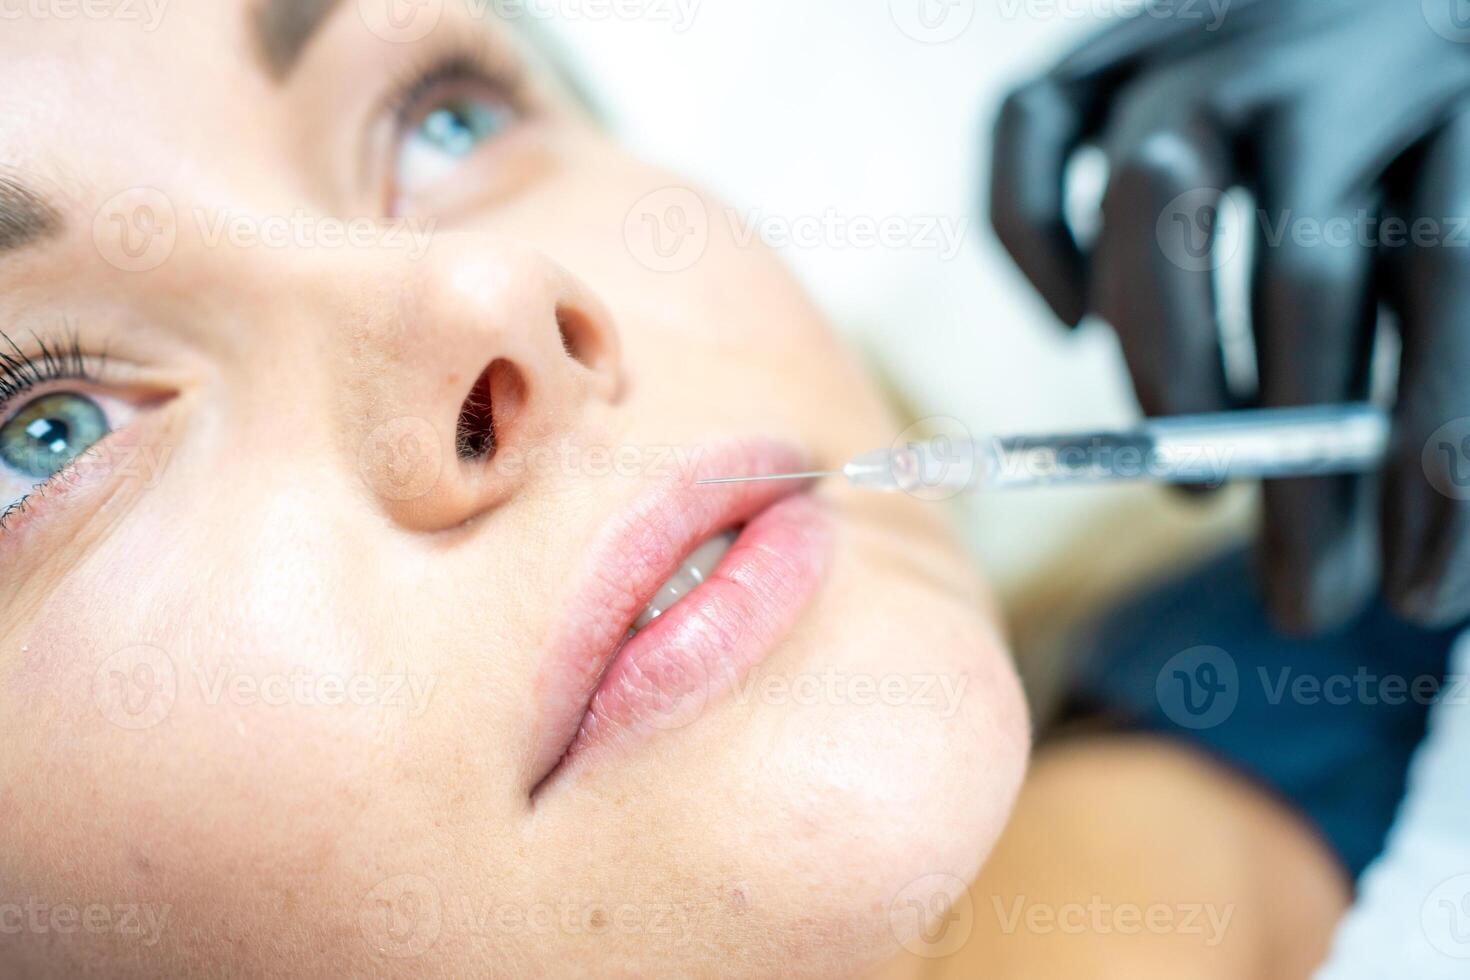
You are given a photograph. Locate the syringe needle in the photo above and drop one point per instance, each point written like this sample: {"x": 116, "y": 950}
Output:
{"x": 819, "y": 475}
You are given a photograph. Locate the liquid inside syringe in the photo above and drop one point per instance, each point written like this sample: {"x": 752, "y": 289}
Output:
{"x": 1261, "y": 444}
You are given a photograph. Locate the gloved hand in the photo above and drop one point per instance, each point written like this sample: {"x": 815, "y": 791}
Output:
{"x": 1341, "y": 118}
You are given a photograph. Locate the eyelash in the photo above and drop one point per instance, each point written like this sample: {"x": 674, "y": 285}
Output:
{"x": 467, "y": 60}
{"x": 56, "y": 359}
{"x": 460, "y": 65}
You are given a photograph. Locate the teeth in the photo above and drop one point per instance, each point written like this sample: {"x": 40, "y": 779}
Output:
{"x": 696, "y": 568}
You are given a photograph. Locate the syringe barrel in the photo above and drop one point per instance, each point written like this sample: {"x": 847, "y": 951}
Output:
{"x": 945, "y": 464}
{"x": 1266, "y": 444}
{"x": 1204, "y": 449}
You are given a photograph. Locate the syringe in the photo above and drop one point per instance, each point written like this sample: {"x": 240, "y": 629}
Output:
{"x": 1260, "y": 444}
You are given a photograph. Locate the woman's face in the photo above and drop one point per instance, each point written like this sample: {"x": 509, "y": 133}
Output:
{"x": 312, "y": 637}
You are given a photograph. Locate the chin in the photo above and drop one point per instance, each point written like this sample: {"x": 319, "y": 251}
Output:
{"x": 814, "y": 816}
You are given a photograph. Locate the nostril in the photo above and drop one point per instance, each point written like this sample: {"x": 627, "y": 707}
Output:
{"x": 579, "y": 337}
{"x": 489, "y": 410}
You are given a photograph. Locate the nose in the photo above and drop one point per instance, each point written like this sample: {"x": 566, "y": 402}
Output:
{"x": 473, "y": 355}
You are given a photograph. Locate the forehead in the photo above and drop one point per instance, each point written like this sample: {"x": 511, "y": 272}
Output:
{"x": 86, "y": 85}
{"x": 128, "y": 92}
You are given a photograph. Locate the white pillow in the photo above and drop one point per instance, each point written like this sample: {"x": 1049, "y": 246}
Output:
{"x": 1412, "y": 918}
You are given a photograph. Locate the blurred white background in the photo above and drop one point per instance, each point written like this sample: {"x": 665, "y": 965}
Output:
{"x": 803, "y": 110}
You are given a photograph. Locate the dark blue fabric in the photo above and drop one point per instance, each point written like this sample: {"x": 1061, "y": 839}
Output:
{"x": 1329, "y": 723}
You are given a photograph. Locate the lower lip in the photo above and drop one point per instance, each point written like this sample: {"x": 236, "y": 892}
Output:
{"x": 667, "y": 675}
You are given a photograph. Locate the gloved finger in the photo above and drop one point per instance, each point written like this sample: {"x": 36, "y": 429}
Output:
{"x": 1426, "y": 519}
{"x": 1169, "y": 27}
{"x": 1041, "y": 126}
{"x": 1314, "y": 309}
{"x": 1154, "y": 262}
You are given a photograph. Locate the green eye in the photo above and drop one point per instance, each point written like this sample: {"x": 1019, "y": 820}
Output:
{"x": 49, "y": 433}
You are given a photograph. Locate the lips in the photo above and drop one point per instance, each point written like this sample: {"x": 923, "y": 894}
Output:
{"x": 599, "y": 685}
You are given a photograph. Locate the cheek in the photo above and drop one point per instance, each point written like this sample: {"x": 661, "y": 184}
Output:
{"x": 170, "y": 744}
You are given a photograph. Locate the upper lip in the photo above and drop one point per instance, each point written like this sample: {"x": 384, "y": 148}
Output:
{"x": 629, "y": 558}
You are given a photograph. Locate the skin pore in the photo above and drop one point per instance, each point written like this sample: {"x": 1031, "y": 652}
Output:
{"x": 273, "y": 654}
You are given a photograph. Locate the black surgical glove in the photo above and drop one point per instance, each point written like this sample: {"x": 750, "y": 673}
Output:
{"x": 1354, "y": 110}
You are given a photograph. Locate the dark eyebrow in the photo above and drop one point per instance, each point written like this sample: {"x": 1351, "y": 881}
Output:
{"x": 282, "y": 29}
{"x": 25, "y": 216}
